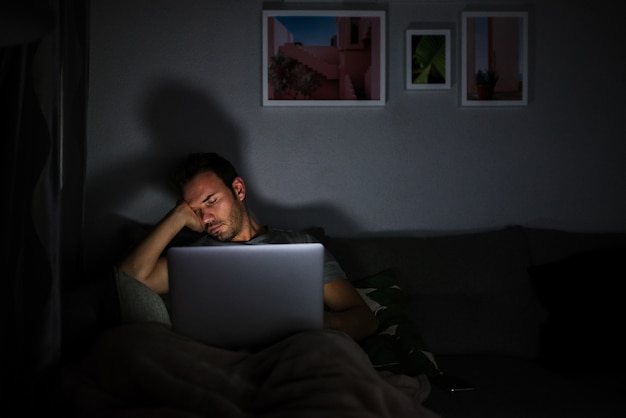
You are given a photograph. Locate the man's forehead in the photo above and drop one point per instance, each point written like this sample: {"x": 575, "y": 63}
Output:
{"x": 203, "y": 183}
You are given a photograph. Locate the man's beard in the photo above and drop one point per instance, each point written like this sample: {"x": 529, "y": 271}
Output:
{"x": 232, "y": 227}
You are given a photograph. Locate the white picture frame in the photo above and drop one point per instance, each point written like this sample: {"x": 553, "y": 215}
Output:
{"x": 340, "y": 52}
{"x": 428, "y": 59}
{"x": 494, "y": 46}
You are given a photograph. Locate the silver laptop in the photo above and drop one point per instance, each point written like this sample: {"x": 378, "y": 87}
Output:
{"x": 246, "y": 296}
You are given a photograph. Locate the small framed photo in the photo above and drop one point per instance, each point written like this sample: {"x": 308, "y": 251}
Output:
{"x": 428, "y": 59}
{"x": 494, "y": 57}
{"x": 323, "y": 58}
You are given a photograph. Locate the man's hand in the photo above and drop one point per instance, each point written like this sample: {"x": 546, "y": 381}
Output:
{"x": 146, "y": 262}
{"x": 192, "y": 221}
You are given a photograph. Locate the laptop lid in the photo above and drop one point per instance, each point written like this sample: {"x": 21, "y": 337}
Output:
{"x": 246, "y": 296}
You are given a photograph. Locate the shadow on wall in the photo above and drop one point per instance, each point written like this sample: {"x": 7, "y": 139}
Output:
{"x": 181, "y": 119}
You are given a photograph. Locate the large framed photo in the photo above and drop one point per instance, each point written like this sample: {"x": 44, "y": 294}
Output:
{"x": 494, "y": 56}
{"x": 427, "y": 59}
{"x": 323, "y": 58}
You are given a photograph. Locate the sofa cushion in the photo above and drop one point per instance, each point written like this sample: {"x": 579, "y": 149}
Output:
{"x": 582, "y": 294}
{"x": 520, "y": 388}
{"x": 397, "y": 346}
{"x": 139, "y": 303}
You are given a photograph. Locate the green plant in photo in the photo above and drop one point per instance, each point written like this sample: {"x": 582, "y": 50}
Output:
{"x": 485, "y": 83}
{"x": 429, "y": 60}
{"x": 290, "y": 77}
{"x": 488, "y": 77}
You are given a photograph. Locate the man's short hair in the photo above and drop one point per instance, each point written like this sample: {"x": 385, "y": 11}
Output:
{"x": 200, "y": 162}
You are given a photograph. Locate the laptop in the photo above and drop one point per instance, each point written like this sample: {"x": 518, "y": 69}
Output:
{"x": 246, "y": 296}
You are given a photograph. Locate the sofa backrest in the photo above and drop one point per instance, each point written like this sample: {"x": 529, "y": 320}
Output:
{"x": 549, "y": 245}
{"x": 468, "y": 293}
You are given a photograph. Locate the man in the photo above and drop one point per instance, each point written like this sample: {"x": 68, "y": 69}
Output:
{"x": 213, "y": 201}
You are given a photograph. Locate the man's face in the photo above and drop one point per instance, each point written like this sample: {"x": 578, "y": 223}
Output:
{"x": 222, "y": 213}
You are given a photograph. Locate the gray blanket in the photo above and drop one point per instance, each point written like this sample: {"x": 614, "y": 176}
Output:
{"x": 145, "y": 369}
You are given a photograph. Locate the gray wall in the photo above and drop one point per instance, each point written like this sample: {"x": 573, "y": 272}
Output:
{"x": 169, "y": 77}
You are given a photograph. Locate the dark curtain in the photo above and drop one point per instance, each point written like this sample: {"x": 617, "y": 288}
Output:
{"x": 43, "y": 89}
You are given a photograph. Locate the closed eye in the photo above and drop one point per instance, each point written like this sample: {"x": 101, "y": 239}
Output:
{"x": 210, "y": 199}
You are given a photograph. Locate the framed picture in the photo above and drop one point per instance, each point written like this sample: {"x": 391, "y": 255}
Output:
{"x": 494, "y": 56}
{"x": 428, "y": 64}
{"x": 323, "y": 58}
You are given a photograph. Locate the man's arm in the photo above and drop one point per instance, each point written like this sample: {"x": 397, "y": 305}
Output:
{"x": 349, "y": 312}
{"x": 146, "y": 263}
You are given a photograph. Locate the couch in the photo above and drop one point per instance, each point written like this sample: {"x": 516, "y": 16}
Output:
{"x": 530, "y": 317}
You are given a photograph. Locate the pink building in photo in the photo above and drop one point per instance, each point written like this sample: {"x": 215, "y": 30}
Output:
{"x": 348, "y": 68}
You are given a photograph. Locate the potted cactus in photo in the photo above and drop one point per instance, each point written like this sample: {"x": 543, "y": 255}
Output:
{"x": 485, "y": 83}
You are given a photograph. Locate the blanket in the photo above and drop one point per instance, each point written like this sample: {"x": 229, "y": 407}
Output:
{"x": 145, "y": 369}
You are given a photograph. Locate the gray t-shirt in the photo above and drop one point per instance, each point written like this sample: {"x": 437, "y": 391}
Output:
{"x": 332, "y": 268}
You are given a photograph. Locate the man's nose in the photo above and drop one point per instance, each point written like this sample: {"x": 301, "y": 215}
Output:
{"x": 207, "y": 216}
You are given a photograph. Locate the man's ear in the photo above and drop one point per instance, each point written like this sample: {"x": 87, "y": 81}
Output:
{"x": 239, "y": 188}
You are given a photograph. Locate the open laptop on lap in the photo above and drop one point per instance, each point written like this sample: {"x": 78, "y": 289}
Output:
{"x": 246, "y": 296}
